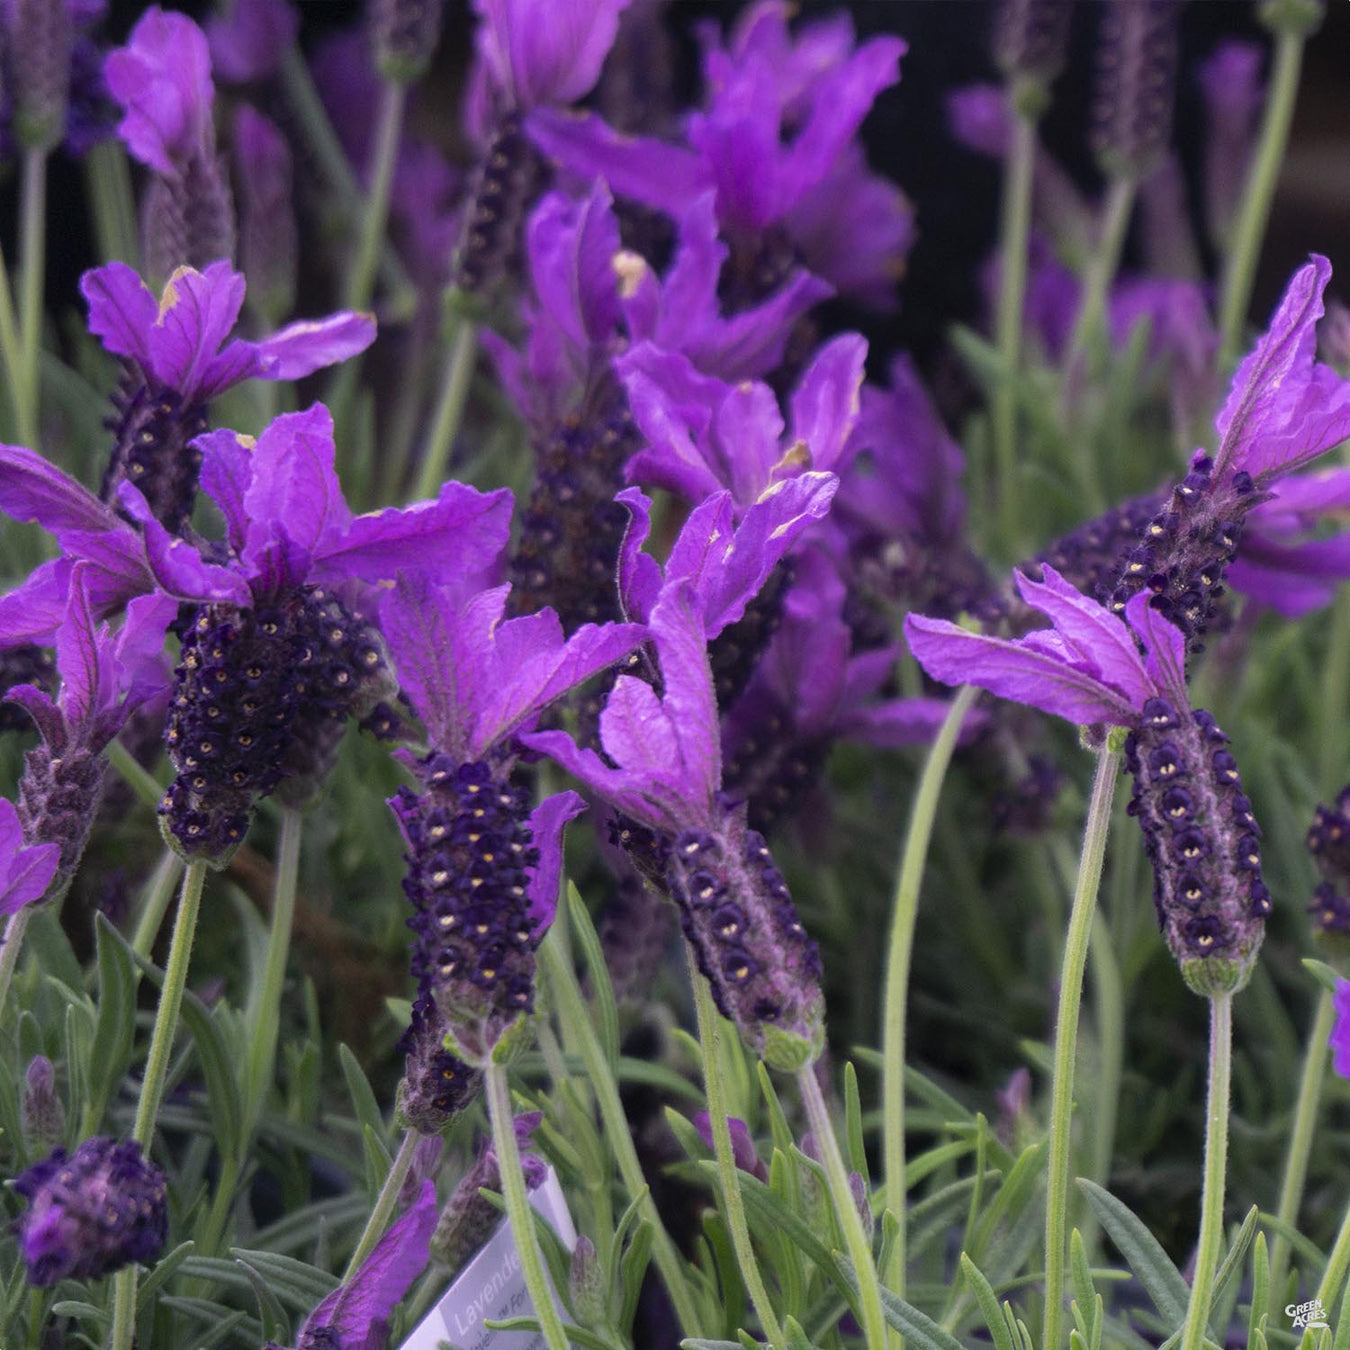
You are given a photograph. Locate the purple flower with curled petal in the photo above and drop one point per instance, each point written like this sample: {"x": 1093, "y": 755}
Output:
{"x": 775, "y": 142}
{"x": 704, "y": 435}
{"x": 1340, "y": 1033}
{"x": 483, "y": 869}
{"x": 25, "y": 872}
{"x": 662, "y": 769}
{"x": 247, "y": 42}
{"x": 104, "y": 679}
{"x": 355, "y": 1316}
{"x": 179, "y": 356}
{"x": 1199, "y": 831}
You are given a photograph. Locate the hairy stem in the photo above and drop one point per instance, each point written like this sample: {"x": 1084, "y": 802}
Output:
{"x": 33, "y": 268}
{"x": 1216, "y": 1166}
{"x": 710, "y": 1039}
{"x": 455, "y": 383}
{"x": 384, "y": 1203}
{"x": 1066, "y": 1037}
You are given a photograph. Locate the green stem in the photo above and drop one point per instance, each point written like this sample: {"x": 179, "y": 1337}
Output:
{"x": 733, "y": 1206}
{"x": 11, "y": 352}
{"x": 904, "y": 912}
{"x": 33, "y": 265}
{"x": 1337, "y": 1264}
{"x": 385, "y": 1203}
{"x": 1014, "y": 232}
{"x": 518, "y": 1211}
{"x": 846, "y": 1209}
{"x": 361, "y": 278}
{"x": 157, "y": 897}
{"x": 265, "y": 1017}
{"x": 156, "y": 1067}
{"x": 15, "y": 928}
{"x": 1066, "y": 1036}
{"x": 1250, "y": 229}
{"x": 562, "y": 981}
{"x": 108, "y": 179}
{"x": 1216, "y": 1166}
{"x": 458, "y": 376}
{"x": 139, "y": 779}
{"x": 1109, "y": 1011}
{"x": 1101, "y": 270}
{"x": 1301, "y": 1136}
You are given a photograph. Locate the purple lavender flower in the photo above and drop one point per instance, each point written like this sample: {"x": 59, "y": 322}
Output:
{"x": 176, "y": 364}
{"x": 248, "y": 42}
{"x": 1283, "y": 410}
{"x": 1136, "y": 75}
{"x": 1199, "y": 831}
{"x": 662, "y": 770}
{"x": 467, "y": 1221}
{"x": 104, "y": 679}
{"x": 483, "y": 868}
{"x": 1340, "y": 1033}
{"x": 162, "y": 79}
{"x": 782, "y": 198}
{"x": 357, "y": 1313}
{"x": 91, "y": 1212}
{"x": 25, "y": 872}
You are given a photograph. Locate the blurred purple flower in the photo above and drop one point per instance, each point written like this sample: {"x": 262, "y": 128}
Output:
{"x": 742, "y": 1145}
{"x": 25, "y": 872}
{"x": 91, "y": 1212}
{"x": 1340, "y": 1033}
{"x": 1233, "y": 92}
{"x": 268, "y": 247}
{"x": 249, "y": 41}
{"x": 357, "y": 1313}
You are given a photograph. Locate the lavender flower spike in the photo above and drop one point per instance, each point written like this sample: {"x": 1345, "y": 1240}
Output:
{"x": 483, "y": 870}
{"x": 662, "y": 769}
{"x": 1199, "y": 831}
{"x": 91, "y": 1212}
{"x": 179, "y": 356}
{"x": 357, "y": 1313}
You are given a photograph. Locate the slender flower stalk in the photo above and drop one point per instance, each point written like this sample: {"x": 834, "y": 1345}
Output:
{"x": 1337, "y": 1264}
{"x": 710, "y": 1041}
{"x": 1015, "y": 233}
{"x": 458, "y": 377}
{"x": 1216, "y": 1166}
{"x": 265, "y": 1017}
{"x": 562, "y": 982}
{"x": 845, "y": 1208}
{"x": 1250, "y": 229}
{"x": 108, "y": 179}
{"x": 1301, "y": 1133}
{"x": 15, "y": 928}
{"x": 1101, "y": 269}
{"x": 33, "y": 262}
{"x": 903, "y": 916}
{"x": 518, "y": 1211}
{"x": 361, "y": 278}
{"x": 385, "y": 1203}
{"x": 156, "y": 1068}
{"x": 11, "y": 350}
{"x": 1066, "y": 1036}
{"x": 148, "y": 789}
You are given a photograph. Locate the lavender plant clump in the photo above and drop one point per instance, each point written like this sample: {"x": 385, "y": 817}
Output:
{"x": 608, "y": 734}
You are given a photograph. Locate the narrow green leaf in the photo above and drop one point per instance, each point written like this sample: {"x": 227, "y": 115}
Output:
{"x": 1019, "y": 1186}
{"x": 687, "y": 1136}
{"x": 296, "y": 1281}
{"x": 629, "y": 1218}
{"x": 919, "y": 1330}
{"x": 1342, "y": 1341}
{"x": 222, "y": 1323}
{"x": 165, "y": 1268}
{"x": 1324, "y": 974}
{"x": 85, "y": 1312}
{"x": 602, "y": 991}
{"x": 1142, "y": 1253}
{"x": 276, "y": 1326}
{"x": 632, "y": 1270}
{"x": 115, "y": 1026}
{"x": 377, "y": 1160}
{"x": 1085, "y": 1292}
{"x": 367, "y": 1109}
{"x": 727, "y": 1267}
{"x": 747, "y": 1341}
{"x": 1260, "y": 1290}
{"x": 857, "y": 1152}
{"x": 1229, "y": 1270}
{"x": 797, "y": 1339}
{"x": 989, "y": 1305}
{"x": 778, "y": 1126}
{"x": 701, "y": 1343}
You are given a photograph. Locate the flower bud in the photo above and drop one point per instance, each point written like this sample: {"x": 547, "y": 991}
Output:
{"x": 585, "y": 1285}
{"x": 42, "y": 1117}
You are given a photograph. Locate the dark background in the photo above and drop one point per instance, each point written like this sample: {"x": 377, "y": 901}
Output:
{"x": 955, "y": 192}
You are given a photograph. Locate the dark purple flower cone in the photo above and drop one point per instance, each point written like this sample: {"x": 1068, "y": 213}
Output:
{"x": 1329, "y": 844}
{"x": 470, "y": 851}
{"x": 260, "y": 697}
{"x": 509, "y": 177}
{"x": 1136, "y": 79}
{"x": 1203, "y": 842}
{"x": 436, "y": 1085}
{"x": 770, "y": 765}
{"x": 572, "y": 528}
{"x": 153, "y": 434}
{"x": 739, "y": 918}
{"x": 91, "y": 1212}
{"x": 734, "y": 652}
